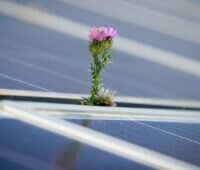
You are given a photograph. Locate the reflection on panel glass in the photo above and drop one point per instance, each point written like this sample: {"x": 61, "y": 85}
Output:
{"x": 179, "y": 140}
{"x": 24, "y": 147}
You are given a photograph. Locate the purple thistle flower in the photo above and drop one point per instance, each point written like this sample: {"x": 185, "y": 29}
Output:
{"x": 101, "y": 33}
{"x": 110, "y": 32}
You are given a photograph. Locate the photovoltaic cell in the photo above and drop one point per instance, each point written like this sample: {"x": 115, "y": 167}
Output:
{"x": 179, "y": 140}
{"x": 24, "y": 147}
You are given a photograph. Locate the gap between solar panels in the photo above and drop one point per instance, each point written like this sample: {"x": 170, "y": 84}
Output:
{"x": 69, "y": 106}
{"x": 47, "y": 111}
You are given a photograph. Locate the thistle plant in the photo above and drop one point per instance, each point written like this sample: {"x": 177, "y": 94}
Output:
{"x": 100, "y": 41}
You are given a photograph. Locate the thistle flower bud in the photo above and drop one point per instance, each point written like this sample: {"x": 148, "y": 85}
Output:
{"x": 99, "y": 47}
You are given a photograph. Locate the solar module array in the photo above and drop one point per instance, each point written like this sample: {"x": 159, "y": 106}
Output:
{"x": 40, "y": 135}
{"x": 43, "y": 47}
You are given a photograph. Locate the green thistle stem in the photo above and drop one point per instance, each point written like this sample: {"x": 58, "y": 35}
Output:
{"x": 96, "y": 68}
{"x": 100, "y": 57}
{"x": 95, "y": 84}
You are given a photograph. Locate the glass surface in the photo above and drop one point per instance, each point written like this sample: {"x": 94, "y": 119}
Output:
{"x": 24, "y": 147}
{"x": 158, "y": 58}
{"x": 179, "y": 140}
{"x": 40, "y": 58}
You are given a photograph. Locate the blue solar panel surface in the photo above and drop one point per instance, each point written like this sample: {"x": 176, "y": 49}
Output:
{"x": 179, "y": 140}
{"x": 24, "y": 147}
{"x": 41, "y": 59}
{"x": 37, "y": 58}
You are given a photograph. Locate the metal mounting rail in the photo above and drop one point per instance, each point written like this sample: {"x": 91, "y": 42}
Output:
{"x": 71, "y": 111}
{"x": 53, "y": 97}
{"x": 96, "y": 139}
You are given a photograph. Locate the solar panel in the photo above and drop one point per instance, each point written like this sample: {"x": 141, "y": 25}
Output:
{"x": 153, "y": 144}
{"x": 23, "y": 146}
{"x": 43, "y": 76}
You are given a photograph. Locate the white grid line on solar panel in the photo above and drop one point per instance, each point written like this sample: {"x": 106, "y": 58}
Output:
{"x": 146, "y": 114}
{"x": 46, "y": 70}
{"x": 24, "y": 82}
{"x": 151, "y": 138}
{"x": 65, "y": 61}
{"x": 98, "y": 140}
{"x": 170, "y": 133}
{"x": 72, "y": 28}
{"x": 115, "y": 78}
{"x": 152, "y": 127}
{"x": 129, "y": 127}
